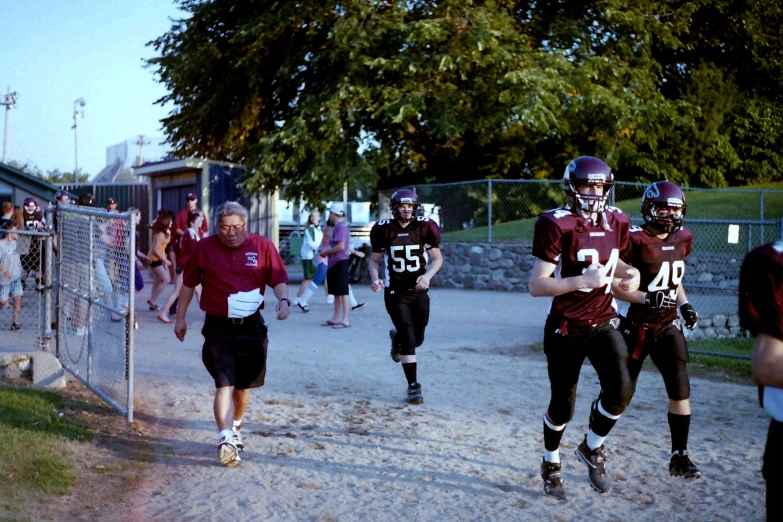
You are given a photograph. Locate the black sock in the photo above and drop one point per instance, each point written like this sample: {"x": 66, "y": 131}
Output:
{"x": 410, "y": 372}
{"x": 679, "y": 425}
{"x": 600, "y": 424}
{"x": 552, "y": 438}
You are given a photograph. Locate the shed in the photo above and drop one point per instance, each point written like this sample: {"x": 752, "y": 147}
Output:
{"x": 16, "y": 185}
{"x": 215, "y": 182}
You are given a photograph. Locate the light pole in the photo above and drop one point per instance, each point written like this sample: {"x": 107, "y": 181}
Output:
{"x": 9, "y": 100}
{"x": 79, "y": 102}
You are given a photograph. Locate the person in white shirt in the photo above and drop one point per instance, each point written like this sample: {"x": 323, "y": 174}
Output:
{"x": 11, "y": 273}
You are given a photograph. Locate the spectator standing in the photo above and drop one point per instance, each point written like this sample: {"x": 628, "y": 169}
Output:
{"x": 181, "y": 224}
{"x": 761, "y": 313}
{"x": 10, "y": 273}
{"x": 587, "y": 242}
{"x": 234, "y": 267}
{"x": 337, "y": 274}
{"x": 159, "y": 263}
{"x": 187, "y": 243}
{"x": 32, "y": 260}
{"x": 310, "y": 246}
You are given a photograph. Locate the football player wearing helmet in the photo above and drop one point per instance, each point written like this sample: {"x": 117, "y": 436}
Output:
{"x": 405, "y": 241}
{"x": 761, "y": 313}
{"x": 659, "y": 249}
{"x": 580, "y": 248}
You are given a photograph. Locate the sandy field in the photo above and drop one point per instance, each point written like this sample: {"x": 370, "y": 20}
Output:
{"x": 330, "y": 437}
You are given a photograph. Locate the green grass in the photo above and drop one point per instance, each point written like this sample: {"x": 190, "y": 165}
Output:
{"x": 701, "y": 205}
{"x": 33, "y": 462}
{"x": 711, "y": 366}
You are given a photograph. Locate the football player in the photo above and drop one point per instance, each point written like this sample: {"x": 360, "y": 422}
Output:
{"x": 652, "y": 327}
{"x": 761, "y": 313}
{"x": 405, "y": 240}
{"x": 579, "y": 248}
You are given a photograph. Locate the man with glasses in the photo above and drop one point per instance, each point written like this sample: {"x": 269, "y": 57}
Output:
{"x": 233, "y": 267}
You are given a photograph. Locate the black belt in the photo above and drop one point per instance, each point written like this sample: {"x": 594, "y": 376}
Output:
{"x": 252, "y": 318}
{"x": 406, "y": 291}
{"x": 564, "y": 323}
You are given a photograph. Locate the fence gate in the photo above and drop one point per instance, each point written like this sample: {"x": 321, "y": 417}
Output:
{"x": 94, "y": 300}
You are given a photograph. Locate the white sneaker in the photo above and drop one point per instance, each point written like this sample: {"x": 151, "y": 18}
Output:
{"x": 330, "y": 299}
{"x": 228, "y": 454}
{"x": 237, "y": 440}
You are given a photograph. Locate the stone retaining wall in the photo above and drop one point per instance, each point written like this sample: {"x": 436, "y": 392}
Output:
{"x": 507, "y": 267}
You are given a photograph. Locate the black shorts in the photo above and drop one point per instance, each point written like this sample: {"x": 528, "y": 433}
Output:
{"x": 773, "y": 470}
{"x": 337, "y": 278}
{"x": 155, "y": 264}
{"x": 169, "y": 248}
{"x": 668, "y": 349}
{"x": 235, "y": 354}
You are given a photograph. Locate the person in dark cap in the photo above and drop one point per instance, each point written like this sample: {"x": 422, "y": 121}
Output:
{"x": 178, "y": 228}
{"x": 111, "y": 205}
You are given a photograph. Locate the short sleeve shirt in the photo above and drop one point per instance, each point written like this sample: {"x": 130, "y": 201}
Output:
{"x": 661, "y": 263}
{"x": 223, "y": 272}
{"x": 340, "y": 233}
{"x": 405, "y": 249}
{"x": 573, "y": 243}
{"x": 761, "y": 290}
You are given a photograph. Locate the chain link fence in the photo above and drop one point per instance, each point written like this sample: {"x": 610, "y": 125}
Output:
{"x": 95, "y": 301}
{"x": 23, "y": 299}
{"x": 726, "y": 224}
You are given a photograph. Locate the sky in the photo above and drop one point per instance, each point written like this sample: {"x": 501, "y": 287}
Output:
{"x": 54, "y": 52}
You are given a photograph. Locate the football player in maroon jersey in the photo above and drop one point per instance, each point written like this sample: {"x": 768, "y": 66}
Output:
{"x": 761, "y": 313}
{"x": 405, "y": 240}
{"x": 660, "y": 248}
{"x": 579, "y": 250}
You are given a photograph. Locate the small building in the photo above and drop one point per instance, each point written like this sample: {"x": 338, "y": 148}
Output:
{"x": 215, "y": 182}
{"x": 16, "y": 185}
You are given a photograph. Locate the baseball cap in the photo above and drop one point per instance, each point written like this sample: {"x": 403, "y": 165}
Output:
{"x": 191, "y": 196}
{"x": 111, "y": 201}
{"x": 337, "y": 209}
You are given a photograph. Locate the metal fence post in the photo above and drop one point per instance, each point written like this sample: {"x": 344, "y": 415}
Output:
{"x": 46, "y": 331}
{"x": 489, "y": 210}
{"x": 131, "y": 318}
{"x": 761, "y": 215}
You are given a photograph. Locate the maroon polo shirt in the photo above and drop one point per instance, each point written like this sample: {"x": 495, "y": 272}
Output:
{"x": 222, "y": 271}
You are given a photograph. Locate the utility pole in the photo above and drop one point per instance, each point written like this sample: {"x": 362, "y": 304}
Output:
{"x": 9, "y": 100}
{"x": 140, "y": 142}
{"x": 79, "y": 102}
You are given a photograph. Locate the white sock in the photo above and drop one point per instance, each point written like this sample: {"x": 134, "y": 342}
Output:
{"x": 354, "y": 302}
{"x": 552, "y": 456}
{"x": 227, "y": 433}
{"x": 594, "y": 441}
{"x": 307, "y": 293}
{"x": 238, "y": 424}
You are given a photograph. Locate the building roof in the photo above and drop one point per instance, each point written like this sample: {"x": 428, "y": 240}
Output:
{"x": 35, "y": 186}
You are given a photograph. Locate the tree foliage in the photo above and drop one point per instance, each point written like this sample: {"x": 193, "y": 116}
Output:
{"x": 310, "y": 95}
{"x": 54, "y": 176}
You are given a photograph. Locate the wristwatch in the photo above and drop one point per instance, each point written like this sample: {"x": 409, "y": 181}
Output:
{"x": 287, "y": 301}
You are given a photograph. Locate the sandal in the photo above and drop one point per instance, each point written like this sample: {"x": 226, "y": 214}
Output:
{"x": 340, "y": 326}
{"x": 162, "y": 320}
{"x": 154, "y": 307}
{"x": 330, "y": 323}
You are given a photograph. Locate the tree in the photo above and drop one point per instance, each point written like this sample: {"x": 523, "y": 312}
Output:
{"x": 54, "y": 176}
{"x": 311, "y": 95}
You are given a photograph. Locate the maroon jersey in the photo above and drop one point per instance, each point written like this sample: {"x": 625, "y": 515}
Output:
{"x": 761, "y": 290}
{"x": 661, "y": 263}
{"x": 405, "y": 249}
{"x": 573, "y": 243}
{"x": 224, "y": 272}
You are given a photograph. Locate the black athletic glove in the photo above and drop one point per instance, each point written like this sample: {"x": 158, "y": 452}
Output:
{"x": 660, "y": 300}
{"x": 689, "y": 315}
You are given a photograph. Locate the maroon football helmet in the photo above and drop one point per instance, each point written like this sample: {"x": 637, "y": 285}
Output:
{"x": 659, "y": 195}
{"x": 587, "y": 170}
{"x": 404, "y": 196}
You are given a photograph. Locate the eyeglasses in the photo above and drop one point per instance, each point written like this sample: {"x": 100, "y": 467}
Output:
{"x": 229, "y": 228}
